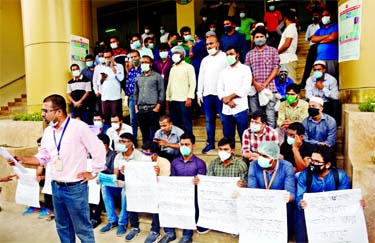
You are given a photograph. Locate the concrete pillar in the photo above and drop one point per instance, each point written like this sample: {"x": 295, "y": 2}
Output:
{"x": 47, "y": 26}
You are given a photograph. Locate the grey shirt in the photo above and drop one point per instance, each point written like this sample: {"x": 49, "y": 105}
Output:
{"x": 174, "y": 138}
{"x": 149, "y": 90}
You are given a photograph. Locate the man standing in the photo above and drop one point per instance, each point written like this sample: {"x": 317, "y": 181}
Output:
{"x": 246, "y": 24}
{"x": 324, "y": 85}
{"x": 137, "y": 43}
{"x": 272, "y": 19}
{"x": 65, "y": 145}
{"x": 115, "y": 46}
{"x": 109, "y": 78}
{"x": 210, "y": 69}
{"x": 288, "y": 45}
{"x": 88, "y": 72}
{"x": 149, "y": 95}
{"x": 233, "y": 87}
{"x": 233, "y": 38}
{"x": 180, "y": 90}
{"x": 264, "y": 63}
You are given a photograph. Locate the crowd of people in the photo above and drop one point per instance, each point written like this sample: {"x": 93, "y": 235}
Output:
{"x": 247, "y": 77}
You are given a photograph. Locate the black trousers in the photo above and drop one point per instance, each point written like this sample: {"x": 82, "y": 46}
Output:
{"x": 310, "y": 59}
{"x": 148, "y": 122}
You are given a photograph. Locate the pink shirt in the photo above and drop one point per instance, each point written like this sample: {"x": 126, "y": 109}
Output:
{"x": 77, "y": 142}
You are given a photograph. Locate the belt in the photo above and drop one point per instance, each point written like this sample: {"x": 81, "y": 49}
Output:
{"x": 62, "y": 183}
{"x": 146, "y": 107}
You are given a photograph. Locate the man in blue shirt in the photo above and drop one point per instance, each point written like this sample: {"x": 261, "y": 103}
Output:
{"x": 269, "y": 172}
{"x": 282, "y": 81}
{"x": 320, "y": 127}
{"x": 233, "y": 38}
{"x": 318, "y": 177}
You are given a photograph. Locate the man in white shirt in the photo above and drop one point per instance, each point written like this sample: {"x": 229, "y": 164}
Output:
{"x": 233, "y": 86}
{"x": 108, "y": 78}
{"x": 210, "y": 68}
{"x": 117, "y": 128}
{"x": 288, "y": 45}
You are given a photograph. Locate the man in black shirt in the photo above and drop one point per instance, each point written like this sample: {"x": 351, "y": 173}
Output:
{"x": 295, "y": 149}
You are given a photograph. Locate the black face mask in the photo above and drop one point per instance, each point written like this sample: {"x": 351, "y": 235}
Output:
{"x": 313, "y": 112}
{"x": 316, "y": 19}
{"x": 282, "y": 77}
{"x": 316, "y": 169}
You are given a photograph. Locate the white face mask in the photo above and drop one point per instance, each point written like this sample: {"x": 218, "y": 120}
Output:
{"x": 326, "y": 20}
{"x": 213, "y": 29}
{"x": 204, "y": 19}
{"x": 114, "y": 45}
{"x": 212, "y": 51}
{"x": 115, "y": 125}
{"x": 76, "y": 73}
{"x": 254, "y": 127}
{"x": 147, "y": 31}
{"x": 98, "y": 124}
{"x": 223, "y": 155}
{"x": 176, "y": 58}
{"x": 242, "y": 15}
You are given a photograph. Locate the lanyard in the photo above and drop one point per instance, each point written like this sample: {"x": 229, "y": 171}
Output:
{"x": 268, "y": 186}
{"x": 62, "y": 134}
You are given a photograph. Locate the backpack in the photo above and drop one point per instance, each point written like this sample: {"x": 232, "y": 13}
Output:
{"x": 309, "y": 176}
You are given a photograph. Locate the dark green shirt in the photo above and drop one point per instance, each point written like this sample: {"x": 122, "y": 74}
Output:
{"x": 236, "y": 168}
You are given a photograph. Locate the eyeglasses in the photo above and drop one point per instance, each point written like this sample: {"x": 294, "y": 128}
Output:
{"x": 47, "y": 111}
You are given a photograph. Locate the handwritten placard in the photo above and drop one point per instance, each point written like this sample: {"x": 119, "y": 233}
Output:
{"x": 262, "y": 216}
{"x": 141, "y": 187}
{"x": 335, "y": 216}
{"x": 176, "y": 202}
{"x": 217, "y": 205}
{"x": 27, "y": 192}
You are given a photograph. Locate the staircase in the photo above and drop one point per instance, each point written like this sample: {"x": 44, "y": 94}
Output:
{"x": 18, "y": 106}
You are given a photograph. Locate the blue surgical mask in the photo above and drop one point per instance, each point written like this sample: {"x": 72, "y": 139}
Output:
{"x": 264, "y": 162}
{"x": 185, "y": 151}
{"x": 242, "y": 15}
{"x": 254, "y": 127}
{"x": 231, "y": 59}
{"x": 163, "y": 54}
{"x": 187, "y": 37}
{"x": 318, "y": 74}
{"x": 121, "y": 148}
{"x": 151, "y": 46}
{"x": 136, "y": 44}
{"x": 290, "y": 140}
{"x": 145, "y": 67}
{"x": 89, "y": 63}
{"x": 101, "y": 59}
{"x": 162, "y": 31}
{"x": 98, "y": 124}
{"x": 260, "y": 41}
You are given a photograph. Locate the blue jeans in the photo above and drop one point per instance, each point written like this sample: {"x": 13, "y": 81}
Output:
{"x": 109, "y": 194}
{"x": 230, "y": 122}
{"x": 72, "y": 213}
{"x": 211, "y": 106}
{"x": 133, "y": 118}
{"x": 269, "y": 108}
{"x": 181, "y": 115}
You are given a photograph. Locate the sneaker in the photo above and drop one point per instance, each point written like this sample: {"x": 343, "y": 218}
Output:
{"x": 152, "y": 237}
{"x": 121, "y": 230}
{"x": 30, "y": 210}
{"x": 202, "y": 231}
{"x": 132, "y": 234}
{"x": 95, "y": 223}
{"x": 50, "y": 217}
{"x": 208, "y": 148}
{"x": 43, "y": 213}
{"x": 167, "y": 238}
{"x": 108, "y": 227}
{"x": 185, "y": 240}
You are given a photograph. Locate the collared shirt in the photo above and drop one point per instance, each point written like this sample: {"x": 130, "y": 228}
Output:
{"x": 295, "y": 114}
{"x": 149, "y": 90}
{"x": 327, "y": 51}
{"x": 281, "y": 87}
{"x": 262, "y": 63}
{"x": 236, "y": 80}
{"x": 238, "y": 40}
{"x": 305, "y": 150}
{"x": 182, "y": 83}
{"x": 210, "y": 69}
{"x": 133, "y": 73}
{"x": 251, "y": 141}
{"x": 114, "y": 137}
{"x": 236, "y": 168}
{"x": 78, "y": 87}
{"x": 173, "y": 138}
{"x": 77, "y": 142}
{"x": 322, "y": 131}
{"x": 272, "y": 20}
{"x": 110, "y": 89}
{"x": 120, "y": 159}
{"x": 321, "y": 184}
{"x": 194, "y": 166}
{"x": 311, "y": 29}
{"x": 88, "y": 73}
{"x": 330, "y": 89}
{"x": 284, "y": 179}
{"x": 289, "y": 55}
{"x": 164, "y": 68}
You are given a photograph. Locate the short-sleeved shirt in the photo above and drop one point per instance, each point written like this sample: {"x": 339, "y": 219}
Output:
{"x": 305, "y": 150}
{"x": 173, "y": 138}
{"x": 78, "y": 87}
{"x": 251, "y": 141}
{"x": 327, "y": 51}
{"x": 272, "y": 20}
{"x": 236, "y": 168}
{"x": 289, "y": 55}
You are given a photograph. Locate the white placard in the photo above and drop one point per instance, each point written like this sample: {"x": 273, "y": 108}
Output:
{"x": 335, "y": 216}
{"x": 262, "y": 216}
{"x": 7, "y": 156}
{"x": 27, "y": 192}
{"x": 176, "y": 202}
{"x": 217, "y": 205}
{"x": 141, "y": 187}
{"x": 94, "y": 191}
{"x": 47, "y": 189}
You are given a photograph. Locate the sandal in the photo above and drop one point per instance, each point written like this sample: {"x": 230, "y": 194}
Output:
{"x": 50, "y": 217}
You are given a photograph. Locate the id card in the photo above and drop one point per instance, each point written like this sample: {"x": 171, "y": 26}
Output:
{"x": 58, "y": 164}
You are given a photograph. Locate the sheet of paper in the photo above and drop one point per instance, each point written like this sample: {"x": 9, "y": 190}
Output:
{"x": 217, "y": 206}
{"x": 176, "y": 202}
{"x": 47, "y": 189}
{"x": 27, "y": 192}
{"x": 8, "y": 156}
{"x": 141, "y": 187}
{"x": 107, "y": 179}
{"x": 94, "y": 192}
{"x": 262, "y": 216}
{"x": 335, "y": 216}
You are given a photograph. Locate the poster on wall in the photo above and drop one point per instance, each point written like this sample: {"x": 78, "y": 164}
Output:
{"x": 350, "y": 16}
{"x": 79, "y": 48}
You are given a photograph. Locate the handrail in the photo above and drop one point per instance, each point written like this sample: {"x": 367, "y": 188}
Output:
{"x": 11, "y": 82}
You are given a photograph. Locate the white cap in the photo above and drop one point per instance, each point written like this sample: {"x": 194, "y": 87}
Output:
{"x": 320, "y": 62}
{"x": 178, "y": 49}
{"x": 259, "y": 24}
{"x": 317, "y": 100}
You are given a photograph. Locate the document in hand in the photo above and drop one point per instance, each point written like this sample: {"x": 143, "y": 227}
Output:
{"x": 27, "y": 192}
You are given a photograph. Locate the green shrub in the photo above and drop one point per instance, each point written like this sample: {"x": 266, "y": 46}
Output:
{"x": 368, "y": 105}
{"x": 37, "y": 116}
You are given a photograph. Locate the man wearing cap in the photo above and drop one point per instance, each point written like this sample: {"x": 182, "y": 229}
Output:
{"x": 282, "y": 81}
{"x": 270, "y": 173}
{"x": 320, "y": 127}
{"x": 210, "y": 69}
{"x": 264, "y": 72}
{"x": 180, "y": 90}
{"x": 324, "y": 85}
